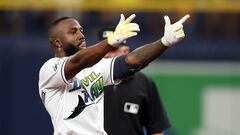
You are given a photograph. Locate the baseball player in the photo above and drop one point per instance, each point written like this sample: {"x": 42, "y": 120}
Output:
{"x": 71, "y": 83}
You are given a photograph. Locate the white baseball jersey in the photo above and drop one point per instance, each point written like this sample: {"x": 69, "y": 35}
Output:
{"x": 76, "y": 105}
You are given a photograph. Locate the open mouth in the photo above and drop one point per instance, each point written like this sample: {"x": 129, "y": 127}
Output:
{"x": 82, "y": 44}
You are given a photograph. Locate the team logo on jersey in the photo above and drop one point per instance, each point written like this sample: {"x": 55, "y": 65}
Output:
{"x": 76, "y": 85}
{"x": 94, "y": 82}
{"x": 78, "y": 109}
{"x": 56, "y": 65}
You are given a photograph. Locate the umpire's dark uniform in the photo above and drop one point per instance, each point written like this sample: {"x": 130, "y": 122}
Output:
{"x": 132, "y": 105}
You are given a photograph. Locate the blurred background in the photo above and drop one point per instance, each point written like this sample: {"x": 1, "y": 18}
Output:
{"x": 198, "y": 79}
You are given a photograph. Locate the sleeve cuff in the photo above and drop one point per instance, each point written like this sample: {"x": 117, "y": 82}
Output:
{"x": 115, "y": 82}
{"x": 62, "y": 71}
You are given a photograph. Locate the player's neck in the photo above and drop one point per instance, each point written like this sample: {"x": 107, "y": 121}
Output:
{"x": 60, "y": 54}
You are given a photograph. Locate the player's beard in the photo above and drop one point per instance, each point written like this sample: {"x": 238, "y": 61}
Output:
{"x": 71, "y": 50}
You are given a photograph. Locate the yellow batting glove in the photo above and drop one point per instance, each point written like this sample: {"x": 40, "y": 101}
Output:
{"x": 124, "y": 30}
{"x": 173, "y": 33}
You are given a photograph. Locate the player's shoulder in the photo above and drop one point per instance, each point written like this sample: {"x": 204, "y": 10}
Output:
{"x": 52, "y": 64}
{"x": 52, "y": 61}
{"x": 105, "y": 61}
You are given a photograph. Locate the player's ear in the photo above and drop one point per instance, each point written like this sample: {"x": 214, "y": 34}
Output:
{"x": 57, "y": 43}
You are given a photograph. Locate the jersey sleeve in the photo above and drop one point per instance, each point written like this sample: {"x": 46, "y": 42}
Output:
{"x": 51, "y": 75}
{"x": 123, "y": 70}
{"x": 107, "y": 66}
{"x": 155, "y": 115}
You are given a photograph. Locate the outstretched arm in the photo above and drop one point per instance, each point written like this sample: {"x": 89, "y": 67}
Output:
{"x": 125, "y": 66}
{"x": 145, "y": 54}
{"x": 173, "y": 33}
{"x": 90, "y": 56}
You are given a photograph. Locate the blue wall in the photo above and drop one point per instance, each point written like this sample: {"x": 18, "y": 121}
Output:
{"x": 21, "y": 110}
